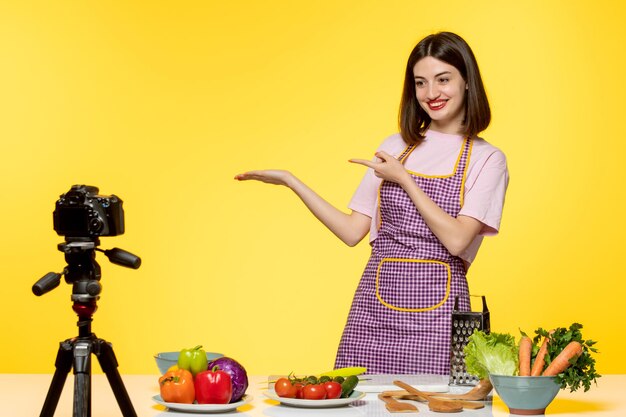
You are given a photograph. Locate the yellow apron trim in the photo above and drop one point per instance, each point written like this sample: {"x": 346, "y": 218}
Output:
{"x": 467, "y": 162}
{"x": 406, "y": 152}
{"x": 386, "y": 304}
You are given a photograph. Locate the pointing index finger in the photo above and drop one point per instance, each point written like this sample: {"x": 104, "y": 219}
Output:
{"x": 365, "y": 162}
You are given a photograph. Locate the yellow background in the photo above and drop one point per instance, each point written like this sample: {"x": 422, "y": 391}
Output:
{"x": 163, "y": 102}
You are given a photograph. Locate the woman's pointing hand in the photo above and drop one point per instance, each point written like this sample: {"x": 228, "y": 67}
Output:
{"x": 386, "y": 167}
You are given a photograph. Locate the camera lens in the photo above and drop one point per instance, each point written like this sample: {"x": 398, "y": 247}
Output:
{"x": 95, "y": 225}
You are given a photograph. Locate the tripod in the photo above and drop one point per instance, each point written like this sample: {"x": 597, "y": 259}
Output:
{"x": 75, "y": 353}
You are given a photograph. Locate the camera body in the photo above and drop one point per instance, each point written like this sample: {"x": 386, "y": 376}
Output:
{"x": 82, "y": 213}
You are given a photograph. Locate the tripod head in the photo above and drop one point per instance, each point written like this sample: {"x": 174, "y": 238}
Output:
{"x": 82, "y": 270}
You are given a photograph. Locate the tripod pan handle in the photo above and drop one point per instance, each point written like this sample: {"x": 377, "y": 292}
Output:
{"x": 121, "y": 257}
{"x": 49, "y": 282}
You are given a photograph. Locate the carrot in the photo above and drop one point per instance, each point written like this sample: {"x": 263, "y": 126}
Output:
{"x": 571, "y": 352}
{"x": 525, "y": 348}
{"x": 540, "y": 359}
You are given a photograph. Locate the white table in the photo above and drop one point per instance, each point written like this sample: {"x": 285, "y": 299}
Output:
{"x": 22, "y": 395}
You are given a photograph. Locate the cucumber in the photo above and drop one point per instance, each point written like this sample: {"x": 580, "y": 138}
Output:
{"x": 349, "y": 385}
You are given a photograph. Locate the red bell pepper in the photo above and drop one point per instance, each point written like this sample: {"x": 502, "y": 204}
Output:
{"x": 213, "y": 387}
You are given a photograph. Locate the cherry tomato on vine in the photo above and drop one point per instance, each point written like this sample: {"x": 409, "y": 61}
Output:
{"x": 314, "y": 392}
{"x": 333, "y": 390}
{"x": 299, "y": 390}
{"x": 284, "y": 388}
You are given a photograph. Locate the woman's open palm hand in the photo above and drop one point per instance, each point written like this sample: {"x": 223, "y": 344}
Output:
{"x": 269, "y": 176}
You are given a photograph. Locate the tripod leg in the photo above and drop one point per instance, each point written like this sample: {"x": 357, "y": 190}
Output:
{"x": 109, "y": 364}
{"x": 63, "y": 365}
{"x": 82, "y": 378}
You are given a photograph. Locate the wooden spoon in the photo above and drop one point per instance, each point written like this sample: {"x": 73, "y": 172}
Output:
{"x": 402, "y": 394}
{"x": 394, "y": 406}
{"x": 478, "y": 393}
{"x": 434, "y": 404}
{"x": 470, "y": 405}
{"x": 405, "y": 395}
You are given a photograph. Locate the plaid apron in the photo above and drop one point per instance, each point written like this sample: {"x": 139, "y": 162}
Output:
{"x": 400, "y": 319}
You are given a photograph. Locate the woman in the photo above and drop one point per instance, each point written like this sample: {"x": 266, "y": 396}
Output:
{"x": 428, "y": 198}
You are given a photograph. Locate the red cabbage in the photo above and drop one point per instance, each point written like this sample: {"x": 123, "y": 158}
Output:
{"x": 238, "y": 375}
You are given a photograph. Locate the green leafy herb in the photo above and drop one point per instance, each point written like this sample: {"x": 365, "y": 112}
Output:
{"x": 494, "y": 353}
{"x": 582, "y": 372}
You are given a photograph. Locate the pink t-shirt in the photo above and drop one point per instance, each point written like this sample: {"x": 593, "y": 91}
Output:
{"x": 485, "y": 184}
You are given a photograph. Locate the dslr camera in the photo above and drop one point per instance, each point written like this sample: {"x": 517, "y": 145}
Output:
{"x": 82, "y": 213}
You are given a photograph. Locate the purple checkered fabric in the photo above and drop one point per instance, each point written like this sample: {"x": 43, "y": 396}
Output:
{"x": 400, "y": 319}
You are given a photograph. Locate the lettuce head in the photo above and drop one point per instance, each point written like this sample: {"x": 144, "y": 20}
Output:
{"x": 493, "y": 353}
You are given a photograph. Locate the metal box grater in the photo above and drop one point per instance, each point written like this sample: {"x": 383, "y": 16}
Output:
{"x": 463, "y": 325}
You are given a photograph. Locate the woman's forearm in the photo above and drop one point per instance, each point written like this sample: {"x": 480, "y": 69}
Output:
{"x": 350, "y": 228}
{"x": 455, "y": 233}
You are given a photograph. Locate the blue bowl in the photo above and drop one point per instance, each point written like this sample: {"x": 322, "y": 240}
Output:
{"x": 165, "y": 360}
{"x": 526, "y": 395}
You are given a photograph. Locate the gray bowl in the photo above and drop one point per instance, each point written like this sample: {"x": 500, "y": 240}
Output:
{"x": 526, "y": 395}
{"x": 165, "y": 360}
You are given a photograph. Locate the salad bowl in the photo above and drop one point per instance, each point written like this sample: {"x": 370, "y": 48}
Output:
{"x": 525, "y": 395}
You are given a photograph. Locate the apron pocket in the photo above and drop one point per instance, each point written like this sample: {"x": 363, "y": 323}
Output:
{"x": 412, "y": 284}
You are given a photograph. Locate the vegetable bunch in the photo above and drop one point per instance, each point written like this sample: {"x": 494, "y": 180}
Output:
{"x": 562, "y": 353}
{"x": 195, "y": 379}
{"x": 313, "y": 388}
{"x": 212, "y": 386}
{"x": 567, "y": 356}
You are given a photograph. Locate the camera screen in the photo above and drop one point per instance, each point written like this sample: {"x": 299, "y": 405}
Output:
{"x": 71, "y": 220}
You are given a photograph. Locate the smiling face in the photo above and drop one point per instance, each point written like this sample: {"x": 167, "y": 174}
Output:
{"x": 440, "y": 90}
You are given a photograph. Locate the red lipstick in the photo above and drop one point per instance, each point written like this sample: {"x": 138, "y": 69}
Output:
{"x": 437, "y": 104}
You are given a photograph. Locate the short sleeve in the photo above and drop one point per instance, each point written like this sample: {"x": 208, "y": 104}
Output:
{"x": 365, "y": 197}
{"x": 485, "y": 189}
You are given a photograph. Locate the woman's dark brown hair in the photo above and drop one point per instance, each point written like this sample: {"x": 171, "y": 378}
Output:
{"x": 453, "y": 50}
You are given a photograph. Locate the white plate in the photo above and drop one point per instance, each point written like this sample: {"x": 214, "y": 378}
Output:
{"x": 294, "y": 402}
{"x": 203, "y": 408}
